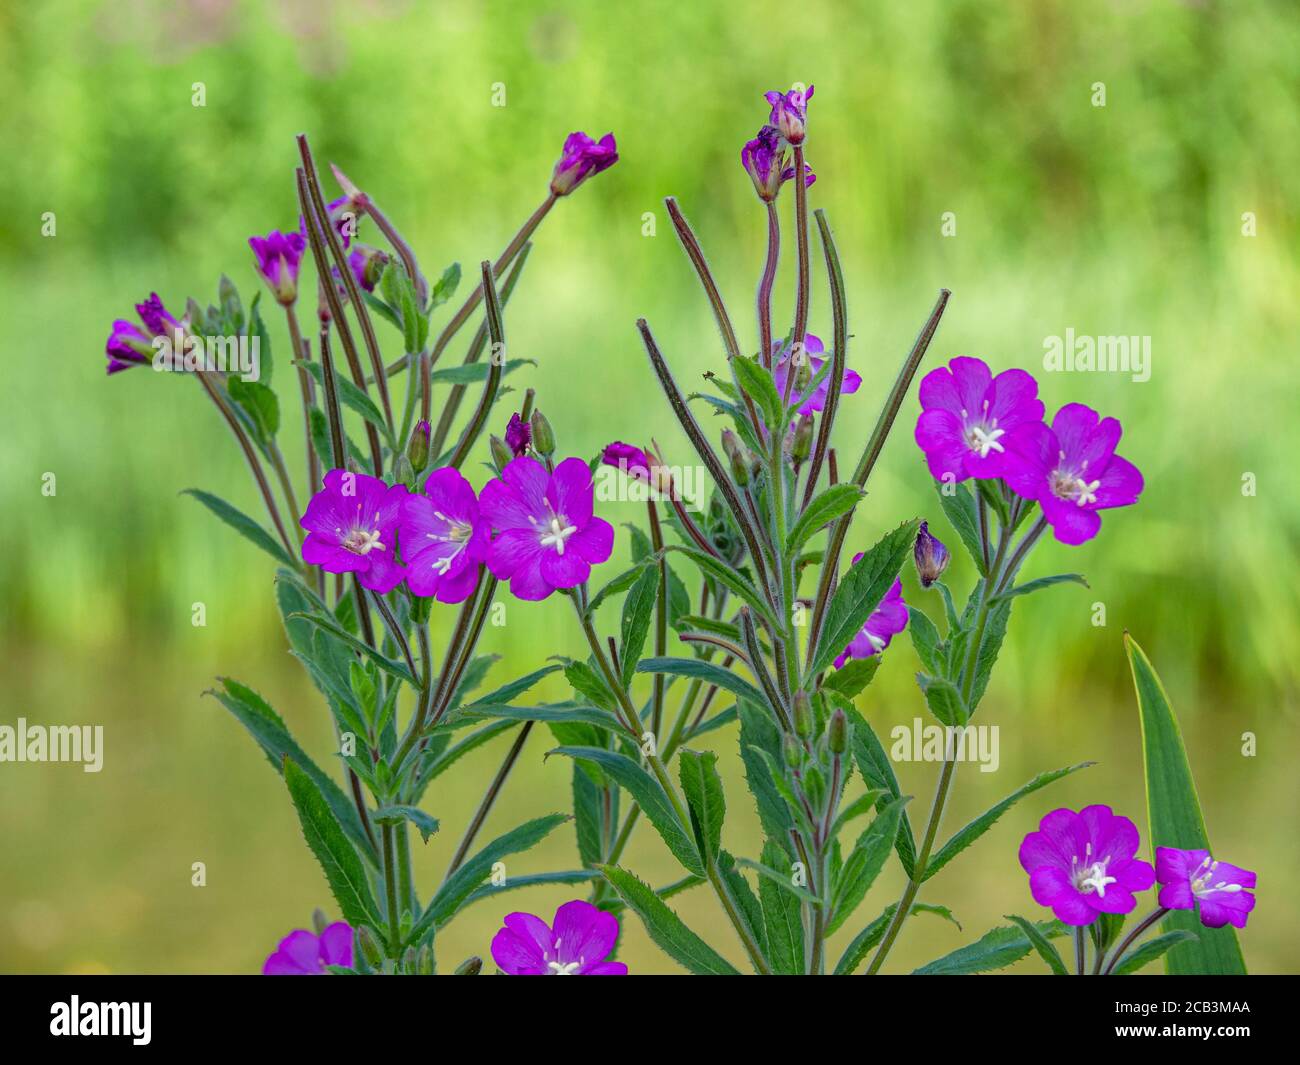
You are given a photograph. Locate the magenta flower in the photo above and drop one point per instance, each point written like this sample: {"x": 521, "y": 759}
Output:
{"x": 814, "y": 399}
{"x": 578, "y": 944}
{"x": 581, "y": 158}
{"x": 885, "y": 622}
{"x": 790, "y": 113}
{"x": 352, "y": 528}
{"x": 1225, "y": 892}
{"x": 547, "y": 536}
{"x": 279, "y": 255}
{"x": 519, "y": 435}
{"x": 1082, "y": 865}
{"x": 1072, "y": 470}
{"x": 127, "y": 346}
{"x": 303, "y": 953}
{"x": 930, "y": 555}
{"x": 443, "y": 537}
{"x": 643, "y": 466}
{"x": 966, "y": 412}
{"x": 766, "y": 159}
{"x": 157, "y": 320}
{"x": 367, "y": 264}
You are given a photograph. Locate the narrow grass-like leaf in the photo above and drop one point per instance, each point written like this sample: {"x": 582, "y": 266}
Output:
{"x": 994, "y": 950}
{"x": 244, "y": 525}
{"x": 1042, "y": 944}
{"x": 666, "y": 928}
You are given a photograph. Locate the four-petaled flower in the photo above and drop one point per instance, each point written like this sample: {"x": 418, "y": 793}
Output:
{"x": 966, "y": 414}
{"x": 576, "y": 943}
{"x": 443, "y": 537}
{"x": 581, "y": 158}
{"x": 303, "y": 953}
{"x": 790, "y": 112}
{"x": 813, "y": 399}
{"x": 885, "y": 622}
{"x": 1224, "y": 891}
{"x": 352, "y": 527}
{"x": 548, "y": 537}
{"x": 1072, "y": 470}
{"x": 1082, "y": 865}
{"x": 279, "y": 255}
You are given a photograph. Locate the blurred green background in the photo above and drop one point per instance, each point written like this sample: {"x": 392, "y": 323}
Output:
{"x": 1123, "y": 219}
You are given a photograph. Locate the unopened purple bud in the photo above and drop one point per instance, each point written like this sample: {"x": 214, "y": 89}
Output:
{"x": 279, "y": 256}
{"x": 790, "y": 113}
{"x": 518, "y": 435}
{"x": 931, "y": 556}
{"x": 581, "y": 158}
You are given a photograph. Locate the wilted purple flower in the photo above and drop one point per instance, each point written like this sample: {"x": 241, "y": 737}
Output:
{"x": 548, "y": 537}
{"x": 352, "y": 527}
{"x": 367, "y": 264}
{"x": 127, "y": 346}
{"x": 157, "y": 320}
{"x": 966, "y": 412}
{"x": 931, "y": 556}
{"x": 790, "y": 113}
{"x": 814, "y": 399}
{"x": 345, "y": 213}
{"x": 443, "y": 537}
{"x": 1082, "y": 865}
{"x": 581, "y": 158}
{"x": 1224, "y": 891}
{"x": 279, "y": 256}
{"x": 518, "y": 435}
{"x": 766, "y": 159}
{"x": 303, "y": 953}
{"x": 576, "y": 944}
{"x": 644, "y": 466}
{"x": 1072, "y": 470}
{"x": 885, "y": 622}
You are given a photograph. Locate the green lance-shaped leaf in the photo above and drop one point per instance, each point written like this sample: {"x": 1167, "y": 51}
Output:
{"x": 704, "y": 798}
{"x": 757, "y": 383}
{"x": 758, "y": 733}
{"x": 649, "y": 796}
{"x": 510, "y": 691}
{"x": 514, "y": 883}
{"x": 969, "y": 833}
{"x": 665, "y": 927}
{"x": 337, "y": 857}
{"x": 468, "y": 878}
{"x": 243, "y": 524}
{"x": 736, "y": 582}
{"x": 833, "y": 503}
{"x": 943, "y": 699}
{"x": 854, "y": 677}
{"x": 782, "y": 915}
{"x": 926, "y": 639}
{"x": 396, "y": 813}
{"x": 1039, "y": 583}
{"x": 963, "y": 515}
{"x": 1174, "y": 813}
{"x": 877, "y": 770}
{"x": 866, "y": 940}
{"x": 861, "y": 591}
{"x": 706, "y": 671}
{"x": 271, "y": 734}
{"x": 638, "y": 608}
{"x": 1152, "y": 949}
{"x": 388, "y": 665}
{"x": 994, "y": 950}
{"x": 865, "y": 862}
{"x": 1046, "y": 950}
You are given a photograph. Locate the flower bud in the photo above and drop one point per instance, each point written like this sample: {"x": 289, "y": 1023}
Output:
{"x": 930, "y": 555}
{"x": 543, "y": 436}
{"x": 801, "y": 448}
{"x": 424, "y": 962}
{"x": 790, "y": 113}
{"x": 738, "y": 455}
{"x": 319, "y": 921}
{"x": 469, "y": 967}
{"x": 500, "y": 452}
{"x": 793, "y": 752}
{"x": 519, "y": 435}
{"x": 838, "y": 734}
{"x": 404, "y": 472}
{"x": 370, "y": 948}
{"x": 581, "y": 158}
{"x": 803, "y": 720}
{"x": 410, "y": 959}
{"x": 417, "y": 450}
{"x": 279, "y": 256}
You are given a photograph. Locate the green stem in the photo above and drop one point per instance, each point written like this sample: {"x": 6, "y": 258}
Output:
{"x": 1131, "y": 938}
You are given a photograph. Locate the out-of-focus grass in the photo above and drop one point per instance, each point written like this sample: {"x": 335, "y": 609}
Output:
{"x": 1125, "y": 219}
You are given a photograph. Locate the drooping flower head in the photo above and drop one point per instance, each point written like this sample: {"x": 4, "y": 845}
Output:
{"x": 766, "y": 159}
{"x": 303, "y": 953}
{"x": 641, "y": 465}
{"x": 279, "y": 255}
{"x": 576, "y": 943}
{"x": 352, "y": 528}
{"x": 930, "y": 555}
{"x": 885, "y": 622}
{"x": 1223, "y": 892}
{"x": 1082, "y": 865}
{"x": 1072, "y": 470}
{"x": 518, "y": 435}
{"x": 581, "y": 158}
{"x": 547, "y": 536}
{"x": 157, "y": 319}
{"x": 443, "y": 537}
{"x": 966, "y": 413}
{"x": 790, "y": 113}
{"x": 813, "y": 399}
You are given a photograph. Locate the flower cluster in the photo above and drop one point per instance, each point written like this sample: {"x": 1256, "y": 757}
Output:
{"x": 547, "y": 536}
{"x": 767, "y": 158}
{"x": 974, "y": 424}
